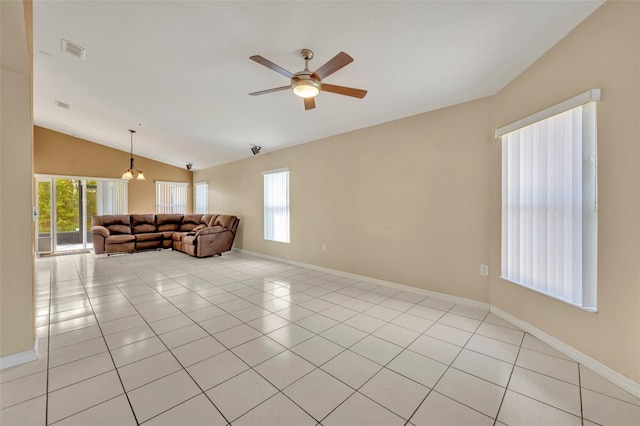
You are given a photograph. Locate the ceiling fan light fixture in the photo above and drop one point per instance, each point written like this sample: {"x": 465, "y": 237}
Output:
{"x": 305, "y": 88}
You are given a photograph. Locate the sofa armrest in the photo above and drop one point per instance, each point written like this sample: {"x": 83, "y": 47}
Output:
{"x": 99, "y": 235}
{"x": 100, "y": 230}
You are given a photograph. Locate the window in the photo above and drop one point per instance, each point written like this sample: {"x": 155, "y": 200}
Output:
{"x": 549, "y": 211}
{"x": 171, "y": 197}
{"x": 201, "y": 200}
{"x": 276, "y": 205}
{"x": 111, "y": 196}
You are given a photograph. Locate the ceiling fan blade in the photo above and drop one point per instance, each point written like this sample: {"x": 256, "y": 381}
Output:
{"x": 337, "y": 62}
{"x": 342, "y": 90}
{"x": 275, "y": 89}
{"x": 267, "y": 63}
{"x": 309, "y": 103}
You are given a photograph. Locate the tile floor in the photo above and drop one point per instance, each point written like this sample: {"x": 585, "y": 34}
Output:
{"x": 161, "y": 338}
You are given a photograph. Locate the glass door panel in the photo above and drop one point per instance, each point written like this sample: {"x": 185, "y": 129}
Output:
{"x": 68, "y": 215}
{"x": 91, "y": 204}
{"x": 44, "y": 238}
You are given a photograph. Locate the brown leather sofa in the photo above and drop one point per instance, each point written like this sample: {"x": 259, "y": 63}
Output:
{"x": 199, "y": 235}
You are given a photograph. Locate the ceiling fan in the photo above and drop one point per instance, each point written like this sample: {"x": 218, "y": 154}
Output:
{"x": 307, "y": 84}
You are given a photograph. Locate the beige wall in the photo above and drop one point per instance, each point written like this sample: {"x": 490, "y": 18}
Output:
{"x": 402, "y": 201}
{"x": 417, "y": 201}
{"x": 603, "y": 52}
{"x": 59, "y": 154}
{"x": 17, "y": 327}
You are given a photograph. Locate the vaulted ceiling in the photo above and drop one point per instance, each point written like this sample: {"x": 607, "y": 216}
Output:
{"x": 179, "y": 72}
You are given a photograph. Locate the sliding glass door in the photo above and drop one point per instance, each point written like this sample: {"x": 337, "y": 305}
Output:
{"x": 65, "y": 206}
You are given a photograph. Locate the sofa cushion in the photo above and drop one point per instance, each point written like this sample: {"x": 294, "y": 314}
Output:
{"x": 167, "y": 235}
{"x": 212, "y": 220}
{"x": 189, "y": 239}
{"x": 151, "y": 236}
{"x": 117, "y": 223}
{"x": 143, "y": 223}
{"x": 190, "y": 221}
{"x": 224, "y": 220}
{"x": 120, "y": 239}
{"x": 168, "y": 222}
{"x": 205, "y": 219}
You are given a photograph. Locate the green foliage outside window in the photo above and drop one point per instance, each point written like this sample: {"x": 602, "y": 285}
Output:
{"x": 44, "y": 207}
{"x": 68, "y": 192}
{"x": 67, "y": 205}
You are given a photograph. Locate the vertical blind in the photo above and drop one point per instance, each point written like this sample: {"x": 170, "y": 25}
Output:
{"x": 276, "y": 205}
{"x": 201, "y": 202}
{"x": 171, "y": 197}
{"x": 549, "y": 219}
{"x": 111, "y": 197}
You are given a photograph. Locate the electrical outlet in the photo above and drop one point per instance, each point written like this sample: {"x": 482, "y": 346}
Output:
{"x": 484, "y": 270}
{"x": 323, "y": 247}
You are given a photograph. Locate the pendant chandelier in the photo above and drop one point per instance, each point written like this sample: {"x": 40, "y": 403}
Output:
{"x": 131, "y": 172}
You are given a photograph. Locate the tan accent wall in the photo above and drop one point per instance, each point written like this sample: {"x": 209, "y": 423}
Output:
{"x": 604, "y": 52}
{"x": 417, "y": 201}
{"x": 59, "y": 154}
{"x": 17, "y": 319}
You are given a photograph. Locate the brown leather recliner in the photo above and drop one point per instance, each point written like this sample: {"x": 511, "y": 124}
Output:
{"x": 216, "y": 238}
{"x": 195, "y": 234}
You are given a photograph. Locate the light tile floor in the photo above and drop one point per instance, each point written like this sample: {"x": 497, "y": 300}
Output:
{"x": 161, "y": 338}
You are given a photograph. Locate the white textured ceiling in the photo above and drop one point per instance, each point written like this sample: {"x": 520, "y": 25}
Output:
{"x": 182, "y": 68}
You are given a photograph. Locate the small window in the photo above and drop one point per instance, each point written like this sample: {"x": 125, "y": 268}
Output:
{"x": 171, "y": 197}
{"x": 276, "y": 205}
{"x": 111, "y": 197}
{"x": 549, "y": 210}
{"x": 201, "y": 200}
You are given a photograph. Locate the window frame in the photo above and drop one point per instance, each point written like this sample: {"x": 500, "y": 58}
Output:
{"x": 271, "y": 222}
{"x": 196, "y": 198}
{"x": 174, "y": 208}
{"x": 520, "y": 179}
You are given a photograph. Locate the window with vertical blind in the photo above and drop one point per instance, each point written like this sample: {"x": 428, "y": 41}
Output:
{"x": 201, "y": 194}
{"x": 276, "y": 205}
{"x": 171, "y": 197}
{"x": 111, "y": 197}
{"x": 549, "y": 196}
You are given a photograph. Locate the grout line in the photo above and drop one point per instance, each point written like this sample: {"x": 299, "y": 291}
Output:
{"x": 238, "y": 273}
{"x": 110, "y": 355}
{"x": 46, "y": 406}
{"x": 580, "y": 396}
{"x": 506, "y": 387}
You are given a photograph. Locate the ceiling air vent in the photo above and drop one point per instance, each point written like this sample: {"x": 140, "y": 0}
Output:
{"x": 63, "y": 104}
{"x": 73, "y": 49}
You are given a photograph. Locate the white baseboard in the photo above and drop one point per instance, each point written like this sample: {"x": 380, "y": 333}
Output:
{"x": 19, "y": 358}
{"x": 596, "y": 366}
{"x": 449, "y": 298}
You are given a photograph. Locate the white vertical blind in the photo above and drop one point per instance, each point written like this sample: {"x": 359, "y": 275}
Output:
{"x": 201, "y": 195}
{"x": 112, "y": 197}
{"x": 549, "y": 222}
{"x": 171, "y": 197}
{"x": 276, "y": 205}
